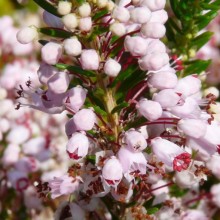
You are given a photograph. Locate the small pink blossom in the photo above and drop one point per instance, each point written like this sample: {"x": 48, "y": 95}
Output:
{"x": 64, "y": 185}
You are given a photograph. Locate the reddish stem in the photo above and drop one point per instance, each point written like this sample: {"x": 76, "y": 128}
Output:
{"x": 202, "y": 196}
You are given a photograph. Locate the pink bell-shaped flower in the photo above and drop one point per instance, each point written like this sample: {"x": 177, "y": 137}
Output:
{"x": 135, "y": 141}
{"x": 77, "y": 146}
{"x": 188, "y": 85}
{"x": 132, "y": 161}
{"x": 59, "y": 82}
{"x": 192, "y": 127}
{"x": 45, "y": 72}
{"x": 170, "y": 154}
{"x": 167, "y": 98}
{"x": 112, "y": 171}
{"x": 76, "y": 97}
{"x": 64, "y": 185}
{"x": 190, "y": 109}
{"x": 163, "y": 79}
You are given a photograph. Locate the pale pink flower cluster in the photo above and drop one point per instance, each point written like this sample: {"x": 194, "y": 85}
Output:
{"x": 178, "y": 136}
{"x": 8, "y": 42}
{"x": 31, "y": 142}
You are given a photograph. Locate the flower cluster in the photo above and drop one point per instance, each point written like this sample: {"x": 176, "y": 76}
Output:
{"x": 135, "y": 128}
{"x": 31, "y": 143}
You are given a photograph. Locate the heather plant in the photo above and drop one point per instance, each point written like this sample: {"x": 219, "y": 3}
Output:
{"x": 143, "y": 139}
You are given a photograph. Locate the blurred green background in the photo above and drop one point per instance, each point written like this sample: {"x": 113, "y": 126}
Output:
{"x": 7, "y": 7}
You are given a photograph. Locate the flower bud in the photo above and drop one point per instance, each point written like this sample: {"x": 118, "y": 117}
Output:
{"x": 77, "y": 96}
{"x": 59, "y": 82}
{"x": 84, "y": 119}
{"x": 77, "y": 146}
{"x": 135, "y": 141}
{"x": 213, "y": 90}
{"x": 160, "y": 16}
{"x": 112, "y": 171}
{"x": 34, "y": 146}
{"x": 64, "y": 7}
{"x": 154, "y": 5}
{"x": 18, "y": 135}
{"x": 101, "y": 3}
{"x": 11, "y": 154}
{"x": 27, "y": 35}
{"x": 163, "y": 79}
{"x": 192, "y": 127}
{"x": 136, "y": 45}
{"x": 149, "y": 109}
{"x": 72, "y": 46}
{"x": 52, "y": 20}
{"x": 84, "y": 10}
{"x": 112, "y": 67}
{"x": 121, "y": 14}
{"x": 167, "y": 98}
{"x": 153, "y": 30}
{"x": 118, "y": 29}
{"x": 156, "y": 46}
{"x": 70, "y": 21}
{"x": 85, "y": 24}
{"x": 45, "y": 72}
{"x": 4, "y": 125}
{"x": 51, "y": 53}
{"x": 89, "y": 59}
{"x": 110, "y": 5}
{"x": 153, "y": 61}
{"x": 140, "y": 15}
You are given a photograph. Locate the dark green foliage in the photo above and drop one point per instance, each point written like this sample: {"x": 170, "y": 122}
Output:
{"x": 190, "y": 17}
{"x": 55, "y": 32}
